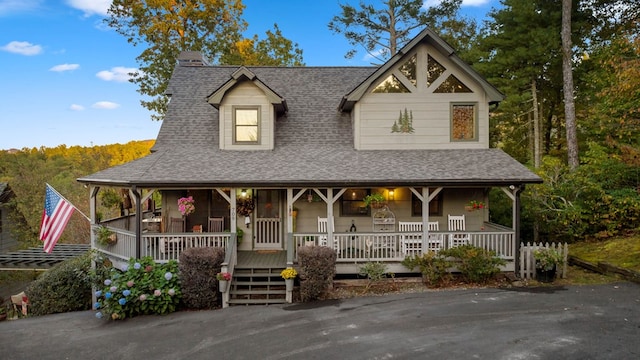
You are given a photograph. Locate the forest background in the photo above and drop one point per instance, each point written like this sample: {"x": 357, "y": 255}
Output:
{"x": 518, "y": 49}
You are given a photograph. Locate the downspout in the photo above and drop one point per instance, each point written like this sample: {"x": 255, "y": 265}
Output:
{"x": 136, "y": 196}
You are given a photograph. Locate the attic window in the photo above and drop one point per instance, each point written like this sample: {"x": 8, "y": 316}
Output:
{"x": 452, "y": 85}
{"x": 246, "y": 125}
{"x": 464, "y": 126}
{"x": 408, "y": 69}
{"x": 434, "y": 70}
{"x": 390, "y": 85}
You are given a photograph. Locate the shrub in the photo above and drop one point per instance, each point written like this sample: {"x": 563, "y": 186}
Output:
{"x": 475, "y": 264}
{"x": 142, "y": 287}
{"x": 317, "y": 269}
{"x": 198, "y": 269}
{"x": 65, "y": 287}
{"x": 374, "y": 271}
{"x": 433, "y": 267}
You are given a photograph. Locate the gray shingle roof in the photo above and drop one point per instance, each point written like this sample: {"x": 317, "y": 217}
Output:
{"x": 314, "y": 141}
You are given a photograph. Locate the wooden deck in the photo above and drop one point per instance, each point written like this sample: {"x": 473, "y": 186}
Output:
{"x": 262, "y": 259}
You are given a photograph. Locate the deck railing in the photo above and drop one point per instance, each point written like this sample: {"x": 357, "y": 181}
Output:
{"x": 389, "y": 246}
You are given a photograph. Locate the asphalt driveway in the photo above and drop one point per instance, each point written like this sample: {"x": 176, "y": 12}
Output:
{"x": 577, "y": 322}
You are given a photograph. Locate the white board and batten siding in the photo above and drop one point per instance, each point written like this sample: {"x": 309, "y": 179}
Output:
{"x": 247, "y": 94}
{"x": 375, "y": 113}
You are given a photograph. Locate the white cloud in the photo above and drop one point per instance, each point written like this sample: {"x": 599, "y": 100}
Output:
{"x": 22, "y": 48}
{"x": 64, "y": 67}
{"x": 16, "y": 6}
{"x": 118, "y": 74}
{"x": 76, "y": 107}
{"x": 105, "y": 105}
{"x": 91, "y": 7}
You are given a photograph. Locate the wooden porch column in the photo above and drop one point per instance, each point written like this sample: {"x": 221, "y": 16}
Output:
{"x": 93, "y": 201}
{"x": 330, "y": 219}
{"x": 425, "y": 219}
{"x": 136, "y": 198}
{"x": 289, "y": 238}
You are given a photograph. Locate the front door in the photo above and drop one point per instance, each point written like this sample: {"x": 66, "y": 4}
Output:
{"x": 268, "y": 224}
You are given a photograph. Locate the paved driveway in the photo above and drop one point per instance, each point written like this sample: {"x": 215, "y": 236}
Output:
{"x": 587, "y": 322}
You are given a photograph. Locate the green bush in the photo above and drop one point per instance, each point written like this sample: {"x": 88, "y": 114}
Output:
{"x": 198, "y": 269}
{"x": 475, "y": 264}
{"x": 140, "y": 288}
{"x": 65, "y": 287}
{"x": 433, "y": 266}
{"x": 317, "y": 269}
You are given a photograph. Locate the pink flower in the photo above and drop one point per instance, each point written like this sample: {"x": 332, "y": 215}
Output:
{"x": 143, "y": 297}
{"x": 148, "y": 268}
{"x": 157, "y": 292}
{"x": 113, "y": 289}
{"x": 172, "y": 292}
{"x": 130, "y": 283}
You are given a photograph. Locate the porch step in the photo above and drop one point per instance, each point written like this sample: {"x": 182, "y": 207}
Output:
{"x": 257, "y": 286}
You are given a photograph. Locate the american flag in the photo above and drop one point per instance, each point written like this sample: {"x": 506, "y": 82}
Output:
{"x": 56, "y": 215}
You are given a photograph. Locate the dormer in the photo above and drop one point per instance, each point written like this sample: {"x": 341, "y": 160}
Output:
{"x": 247, "y": 112}
{"x": 425, "y": 97}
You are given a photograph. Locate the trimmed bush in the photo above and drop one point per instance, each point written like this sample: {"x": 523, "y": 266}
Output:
{"x": 475, "y": 264}
{"x": 317, "y": 269}
{"x": 433, "y": 266}
{"x": 65, "y": 287}
{"x": 142, "y": 287}
{"x": 198, "y": 269}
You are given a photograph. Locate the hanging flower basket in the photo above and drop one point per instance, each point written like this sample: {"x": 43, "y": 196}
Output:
{"x": 186, "y": 205}
{"x": 474, "y": 205}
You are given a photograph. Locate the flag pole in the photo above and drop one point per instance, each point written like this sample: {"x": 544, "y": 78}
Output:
{"x": 78, "y": 210}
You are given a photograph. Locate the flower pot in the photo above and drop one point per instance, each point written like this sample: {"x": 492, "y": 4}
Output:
{"x": 546, "y": 276}
{"x": 222, "y": 285}
{"x": 289, "y": 284}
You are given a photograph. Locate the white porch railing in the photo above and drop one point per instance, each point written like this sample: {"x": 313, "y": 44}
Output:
{"x": 162, "y": 247}
{"x": 388, "y": 246}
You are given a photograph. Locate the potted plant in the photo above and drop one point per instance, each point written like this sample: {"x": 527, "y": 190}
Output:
{"x": 186, "y": 205}
{"x": 547, "y": 261}
{"x": 475, "y": 205}
{"x": 223, "y": 280}
{"x": 376, "y": 201}
{"x": 288, "y": 275}
{"x": 105, "y": 237}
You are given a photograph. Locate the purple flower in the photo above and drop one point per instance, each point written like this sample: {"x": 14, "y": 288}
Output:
{"x": 122, "y": 301}
{"x": 137, "y": 266}
{"x": 98, "y": 293}
{"x": 126, "y": 293}
{"x": 99, "y": 315}
{"x": 113, "y": 289}
{"x": 125, "y": 267}
{"x": 143, "y": 297}
{"x": 107, "y": 282}
{"x": 130, "y": 283}
{"x": 157, "y": 292}
{"x": 168, "y": 276}
{"x": 96, "y": 305}
{"x": 172, "y": 292}
{"x": 107, "y": 295}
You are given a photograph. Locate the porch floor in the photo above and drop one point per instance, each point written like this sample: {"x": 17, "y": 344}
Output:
{"x": 262, "y": 259}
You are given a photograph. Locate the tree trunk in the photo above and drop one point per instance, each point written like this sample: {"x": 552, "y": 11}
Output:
{"x": 567, "y": 74}
{"x": 536, "y": 125}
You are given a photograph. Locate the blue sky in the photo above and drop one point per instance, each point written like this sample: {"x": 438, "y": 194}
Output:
{"x": 63, "y": 72}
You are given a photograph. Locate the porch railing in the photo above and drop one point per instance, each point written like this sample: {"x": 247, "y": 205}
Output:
{"x": 162, "y": 247}
{"x": 389, "y": 246}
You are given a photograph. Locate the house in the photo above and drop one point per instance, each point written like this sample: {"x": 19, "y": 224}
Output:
{"x": 288, "y": 155}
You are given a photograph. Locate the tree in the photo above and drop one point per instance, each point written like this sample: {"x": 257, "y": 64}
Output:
{"x": 383, "y": 31}
{"x": 167, "y": 27}
{"x": 567, "y": 75}
{"x": 275, "y": 50}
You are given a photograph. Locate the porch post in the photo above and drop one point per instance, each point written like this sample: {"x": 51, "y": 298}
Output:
{"x": 425, "y": 219}
{"x": 136, "y": 197}
{"x": 289, "y": 236}
{"x": 516, "y": 225}
{"x": 233, "y": 223}
{"x": 93, "y": 200}
{"x": 330, "y": 219}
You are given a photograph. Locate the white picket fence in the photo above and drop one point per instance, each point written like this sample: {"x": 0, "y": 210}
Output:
{"x": 528, "y": 262}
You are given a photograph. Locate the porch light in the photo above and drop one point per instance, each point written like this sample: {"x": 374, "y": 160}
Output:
{"x": 309, "y": 197}
{"x": 243, "y": 193}
{"x": 391, "y": 194}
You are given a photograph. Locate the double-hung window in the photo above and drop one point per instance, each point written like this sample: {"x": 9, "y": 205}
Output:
{"x": 246, "y": 125}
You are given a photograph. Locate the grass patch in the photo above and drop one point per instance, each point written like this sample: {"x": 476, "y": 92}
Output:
{"x": 623, "y": 252}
